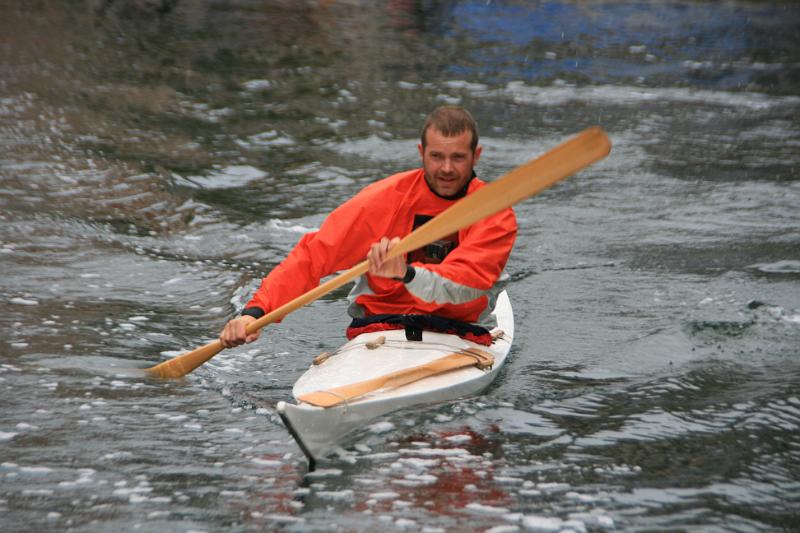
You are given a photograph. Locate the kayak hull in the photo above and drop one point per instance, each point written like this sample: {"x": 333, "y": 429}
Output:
{"x": 318, "y": 430}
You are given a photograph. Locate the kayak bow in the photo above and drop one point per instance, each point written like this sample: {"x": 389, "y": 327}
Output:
{"x": 318, "y": 430}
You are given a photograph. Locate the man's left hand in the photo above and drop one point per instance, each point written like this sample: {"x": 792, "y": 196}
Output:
{"x": 379, "y": 265}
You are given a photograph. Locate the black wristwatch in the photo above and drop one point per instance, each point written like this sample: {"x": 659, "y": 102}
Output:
{"x": 255, "y": 312}
{"x": 410, "y": 273}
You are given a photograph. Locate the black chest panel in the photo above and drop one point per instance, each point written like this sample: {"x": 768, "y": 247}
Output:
{"x": 436, "y": 251}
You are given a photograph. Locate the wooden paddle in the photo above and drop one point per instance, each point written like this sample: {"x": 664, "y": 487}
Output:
{"x": 589, "y": 146}
{"x": 344, "y": 393}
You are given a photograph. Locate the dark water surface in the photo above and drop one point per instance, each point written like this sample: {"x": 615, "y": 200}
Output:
{"x": 158, "y": 157}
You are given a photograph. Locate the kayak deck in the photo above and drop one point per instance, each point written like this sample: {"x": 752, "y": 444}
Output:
{"x": 317, "y": 430}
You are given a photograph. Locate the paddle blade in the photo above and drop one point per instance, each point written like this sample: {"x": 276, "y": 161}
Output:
{"x": 179, "y": 366}
{"x": 566, "y": 159}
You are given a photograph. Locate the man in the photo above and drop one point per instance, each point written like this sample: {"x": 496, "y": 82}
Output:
{"x": 455, "y": 279}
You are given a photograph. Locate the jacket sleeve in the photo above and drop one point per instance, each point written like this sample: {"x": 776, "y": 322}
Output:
{"x": 473, "y": 267}
{"x": 341, "y": 242}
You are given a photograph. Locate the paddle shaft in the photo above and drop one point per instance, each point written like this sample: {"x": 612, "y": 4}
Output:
{"x": 526, "y": 180}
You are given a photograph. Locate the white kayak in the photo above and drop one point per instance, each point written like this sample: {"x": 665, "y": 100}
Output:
{"x": 318, "y": 430}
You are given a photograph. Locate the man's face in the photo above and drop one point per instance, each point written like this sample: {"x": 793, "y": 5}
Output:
{"x": 448, "y": 161}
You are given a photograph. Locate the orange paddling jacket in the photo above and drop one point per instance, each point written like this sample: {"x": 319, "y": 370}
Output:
{"x": 457, "y": 278}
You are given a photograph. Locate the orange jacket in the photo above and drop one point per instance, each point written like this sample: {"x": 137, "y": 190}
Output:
{"x": 461, "y": 287}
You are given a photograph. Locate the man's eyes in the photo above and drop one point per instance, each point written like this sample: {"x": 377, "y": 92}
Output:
{"x": 456, "y": 157}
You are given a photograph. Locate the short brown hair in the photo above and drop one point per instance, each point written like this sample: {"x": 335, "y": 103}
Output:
{"x": 451, "y": 120}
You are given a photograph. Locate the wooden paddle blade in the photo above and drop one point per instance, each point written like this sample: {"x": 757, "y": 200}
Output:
{"x": 526, "y": 180}
{"x": 344, "y": 393}
{"x": 179, "y": 366}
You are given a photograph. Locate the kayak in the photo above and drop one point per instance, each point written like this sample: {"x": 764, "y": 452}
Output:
{"x": 398, "y": 370}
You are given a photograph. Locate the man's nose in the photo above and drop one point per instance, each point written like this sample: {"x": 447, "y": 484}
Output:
{"x": 448, "y": 165}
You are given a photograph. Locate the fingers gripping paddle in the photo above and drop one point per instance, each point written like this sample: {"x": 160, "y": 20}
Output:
{"x": 586, "y": 148}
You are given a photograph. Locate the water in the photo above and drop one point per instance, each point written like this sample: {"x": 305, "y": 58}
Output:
{"x": 158, "y": 158}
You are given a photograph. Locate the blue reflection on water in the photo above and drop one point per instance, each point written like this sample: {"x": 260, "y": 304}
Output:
{"x": 704, "y": 44}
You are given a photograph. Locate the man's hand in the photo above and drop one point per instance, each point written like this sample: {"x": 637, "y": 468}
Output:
{"x": 380, "y": 266}
{"x": 234, "y": 333}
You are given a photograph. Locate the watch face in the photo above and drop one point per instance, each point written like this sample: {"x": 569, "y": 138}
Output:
{"x": 434, "y": 252}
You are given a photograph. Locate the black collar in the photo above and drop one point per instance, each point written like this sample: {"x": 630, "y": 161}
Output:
{"x": 460, "y": 194}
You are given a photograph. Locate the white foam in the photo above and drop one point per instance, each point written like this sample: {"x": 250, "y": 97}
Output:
{"x": 631, "y": 96}
{"x": 470, "y": 86}
{"x": 551, "y": 488}
{"x": 284, "y": 518}
{"x": 226, "y": 178}
{"x": 438, "y": 452}
{"x": 267, "y": 139}
{"x": 788, "y": 266}
{"x": 418, "y": 462}
{"x": 419, "y": 479}
{"x": 503, "y": 529}
{"x": 265, "y": 462}
{"x": 125, "y": 492}
{"x": 458, "y": 439}
{"x": 338, "y": 495}
{"x": 24, "y": 301}
{"x": 381, "y": 456}
{"x": 38, "y": 492}
{"x": 293, "y": 228}
{"x": 384, "y": 495}
{"x": 596, "y": 519}
{"x": 115, "y": 455}
{"x": 486, "y": 509}
{"x": 508, "y": 480}
{"x": 322, "y": 473}
{"x": 257, "y": 85}
{"x": 35, "y": 469}
{"x": 381, "y": 427}
{"x": 542, "y": 524}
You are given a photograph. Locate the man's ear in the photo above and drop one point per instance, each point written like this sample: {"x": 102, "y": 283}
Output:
{"x": 477, "y": 154}
{"x": 421, "y": 151}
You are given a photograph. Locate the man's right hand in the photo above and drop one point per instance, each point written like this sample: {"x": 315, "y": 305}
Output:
{"x": 234, "y": 333}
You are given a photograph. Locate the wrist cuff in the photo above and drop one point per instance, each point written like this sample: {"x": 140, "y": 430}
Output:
{"x": 410, "y": 273}
{"x": 255, "y": 312}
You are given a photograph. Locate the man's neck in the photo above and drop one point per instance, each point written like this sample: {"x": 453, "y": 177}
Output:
{"x": 460, "y": 194}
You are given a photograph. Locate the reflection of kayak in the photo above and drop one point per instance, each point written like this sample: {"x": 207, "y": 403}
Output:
{"x": 365, "y": 358}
